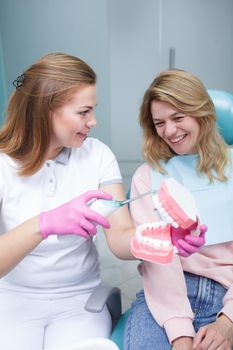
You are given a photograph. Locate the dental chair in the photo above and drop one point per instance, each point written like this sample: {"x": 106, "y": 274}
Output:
{"x": 111, "y": 296}
{"x": 223, "y": 102}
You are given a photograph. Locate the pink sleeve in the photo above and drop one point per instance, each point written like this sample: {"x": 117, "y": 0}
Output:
{"x": 142, "y": 210}
{"x": 166, "y": 297}
{"x": 164, "y": 285}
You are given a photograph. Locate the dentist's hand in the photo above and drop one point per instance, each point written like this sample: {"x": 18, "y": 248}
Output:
{"x": 74, "y": 217}
{"x": 186, "y": 242}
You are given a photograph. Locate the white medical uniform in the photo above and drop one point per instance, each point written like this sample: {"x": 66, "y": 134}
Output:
{"x": 42, "y": 299}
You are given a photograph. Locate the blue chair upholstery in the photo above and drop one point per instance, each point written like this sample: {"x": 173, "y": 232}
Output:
{"x": 117, "y": 334}
{"x": 223, "y": 102}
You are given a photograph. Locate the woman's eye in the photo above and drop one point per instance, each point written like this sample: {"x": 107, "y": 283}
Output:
{"x": 159, "y": 124}
{"x": 84, "y": 113}
{"x": 180, "y": 118}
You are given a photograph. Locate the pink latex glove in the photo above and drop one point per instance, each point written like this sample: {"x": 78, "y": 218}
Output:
{"x": 186, "y": 242}
{"x": 74, "y": 217}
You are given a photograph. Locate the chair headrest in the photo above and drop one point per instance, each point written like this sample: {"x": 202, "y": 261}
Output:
{"x": 223, "y": 102}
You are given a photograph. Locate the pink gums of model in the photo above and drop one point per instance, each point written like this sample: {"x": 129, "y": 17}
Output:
{"x": 177, "y": 208}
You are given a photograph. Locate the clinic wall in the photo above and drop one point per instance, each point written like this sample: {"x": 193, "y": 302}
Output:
{"x": 127, "y": 42}
{"x": 32, "y": 28}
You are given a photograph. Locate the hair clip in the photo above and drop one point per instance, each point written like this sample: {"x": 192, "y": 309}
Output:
{"x": 18, "y": 81}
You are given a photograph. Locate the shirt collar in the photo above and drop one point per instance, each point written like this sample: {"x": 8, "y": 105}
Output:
{"x": 63, "y": 156}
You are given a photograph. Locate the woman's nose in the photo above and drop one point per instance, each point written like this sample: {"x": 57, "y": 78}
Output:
{"x": 170, "y": 128}
{"x": 91, "y": 121}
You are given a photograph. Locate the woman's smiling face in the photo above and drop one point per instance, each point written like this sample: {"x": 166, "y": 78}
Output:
{"x": 178, "y": 130}
{"x": 72, "y": 122}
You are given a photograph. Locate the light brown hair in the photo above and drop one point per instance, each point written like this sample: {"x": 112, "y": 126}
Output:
{"x": 187, "y": 94}
{"x": 45, "y": 86}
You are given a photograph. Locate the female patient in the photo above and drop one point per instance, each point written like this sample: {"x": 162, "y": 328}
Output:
{"x": 187, "y": 304}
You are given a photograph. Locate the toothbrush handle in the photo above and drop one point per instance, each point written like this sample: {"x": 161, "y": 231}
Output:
{"x": 102, "y": 207}
{"x": 98, "y": 205}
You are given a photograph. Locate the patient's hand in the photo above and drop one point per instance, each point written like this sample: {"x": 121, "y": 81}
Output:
{"x": 186, "y": 242}
{"x": 216, "y": 335}
{"x": 183, "y": 343}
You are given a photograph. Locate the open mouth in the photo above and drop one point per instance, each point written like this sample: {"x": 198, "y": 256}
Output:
{"x": 82, "y": 134}
{"x": 178, "y": 139}
{"x": 176, "y": 207}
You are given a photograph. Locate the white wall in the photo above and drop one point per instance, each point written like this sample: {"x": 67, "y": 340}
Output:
{"x": 201, "y": 32}
{"x": 135, "y": 34}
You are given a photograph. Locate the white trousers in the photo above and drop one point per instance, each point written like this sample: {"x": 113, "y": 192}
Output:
{"x": 92, "y": 344}
{"x": 35, "y": 324}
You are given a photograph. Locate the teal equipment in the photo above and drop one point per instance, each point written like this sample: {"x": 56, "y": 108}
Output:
{"x": 223, "y": 102}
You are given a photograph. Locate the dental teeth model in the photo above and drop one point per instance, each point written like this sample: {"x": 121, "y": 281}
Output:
{"x": 176, "y": 207}
{"x": 152, "y": 242}
{"x": 175, "y": 204}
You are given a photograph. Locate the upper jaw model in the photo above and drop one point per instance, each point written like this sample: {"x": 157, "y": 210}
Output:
{"x": 176, "y": 207}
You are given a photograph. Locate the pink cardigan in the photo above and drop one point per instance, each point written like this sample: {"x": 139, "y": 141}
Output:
{"x": 164, "y": 285}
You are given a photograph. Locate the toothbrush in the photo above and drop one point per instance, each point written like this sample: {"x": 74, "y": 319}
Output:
{"x": 118, "y": 204}
{"x": 106, "y": 207}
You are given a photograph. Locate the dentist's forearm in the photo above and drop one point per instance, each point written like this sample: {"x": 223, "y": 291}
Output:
{"x": 119, "y": 242}
{"x": 17, "y": 243}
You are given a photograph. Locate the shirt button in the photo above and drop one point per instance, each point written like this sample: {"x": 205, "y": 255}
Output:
{"x": 48, "y": 165}
{"x": 51, "y": 180}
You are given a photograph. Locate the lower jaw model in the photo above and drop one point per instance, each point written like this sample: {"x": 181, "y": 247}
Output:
{"x": 176, "y": 207}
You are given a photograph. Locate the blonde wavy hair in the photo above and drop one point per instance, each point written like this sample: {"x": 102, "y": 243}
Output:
{"x": 45, "y": 86}
{"x": 187, "y": 94}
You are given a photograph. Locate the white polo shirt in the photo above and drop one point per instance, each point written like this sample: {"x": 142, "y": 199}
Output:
{"x": 55, "y": 266}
